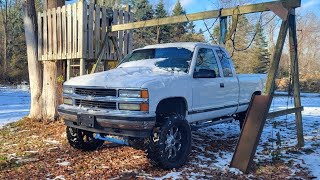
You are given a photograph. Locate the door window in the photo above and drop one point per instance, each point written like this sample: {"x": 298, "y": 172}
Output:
{"x": 207, "y": 60}
{"x": 225, "y": 63}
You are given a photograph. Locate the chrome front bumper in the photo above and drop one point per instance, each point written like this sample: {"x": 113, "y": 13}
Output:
{"x": 121, "y": 123}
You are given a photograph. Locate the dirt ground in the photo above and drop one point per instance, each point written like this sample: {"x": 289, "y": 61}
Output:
{"x": 37, "y": 150}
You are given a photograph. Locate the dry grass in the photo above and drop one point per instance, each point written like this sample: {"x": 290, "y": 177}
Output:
{"x": 35, "y": 150}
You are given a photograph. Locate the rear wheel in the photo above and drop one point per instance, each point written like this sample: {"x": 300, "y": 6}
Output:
{"x": 241, "y": 117}
{"x": 170, "y": 146}
{"x": 82, "y": 140}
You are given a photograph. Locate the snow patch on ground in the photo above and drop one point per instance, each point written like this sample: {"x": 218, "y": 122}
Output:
{"x": 14, "y": 104}
{"x": 51, "y": 141}
{"x": 65, "y": 163}
{"x": 171, "y": 175}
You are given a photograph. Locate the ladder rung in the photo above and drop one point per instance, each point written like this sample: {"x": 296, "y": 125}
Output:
{"x": 75, "y": 65}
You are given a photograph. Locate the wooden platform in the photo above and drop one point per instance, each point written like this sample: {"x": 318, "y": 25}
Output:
{"x": 77, "y": 31}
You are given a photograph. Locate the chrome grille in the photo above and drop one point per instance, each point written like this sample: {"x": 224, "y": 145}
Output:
{"x": 95, "y": 104}
{"x": 96, "y": 92}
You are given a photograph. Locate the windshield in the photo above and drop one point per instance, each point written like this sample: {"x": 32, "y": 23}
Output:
{"x": 175, "y": 59}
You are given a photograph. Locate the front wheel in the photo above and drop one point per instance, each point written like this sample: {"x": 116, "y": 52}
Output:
{"x": 82, "y": 140}
{"x": 170, "y": 145}
{"x": 241, "y": 118}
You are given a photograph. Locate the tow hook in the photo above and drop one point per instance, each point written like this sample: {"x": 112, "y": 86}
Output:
{"x": 111, "y": 139}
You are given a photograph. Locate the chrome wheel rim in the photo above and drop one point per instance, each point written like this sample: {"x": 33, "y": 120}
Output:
{"x": 173, "y": 142}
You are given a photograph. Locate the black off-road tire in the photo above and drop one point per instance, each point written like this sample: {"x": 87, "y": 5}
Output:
{"x": 241, "y": 118}
{"x": 157, "y": 148}
{"x": 82, "y": 140}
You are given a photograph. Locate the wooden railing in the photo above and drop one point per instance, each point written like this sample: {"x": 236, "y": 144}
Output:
{"x": 77, "y": 31}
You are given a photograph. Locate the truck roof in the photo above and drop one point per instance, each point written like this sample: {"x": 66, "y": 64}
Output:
{"x": 186, "y": 45}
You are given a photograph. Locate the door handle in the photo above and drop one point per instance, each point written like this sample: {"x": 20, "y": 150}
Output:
{"x": 222, "y": 85}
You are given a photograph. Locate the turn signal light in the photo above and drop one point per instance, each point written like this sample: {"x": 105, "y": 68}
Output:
{"x": 144, "y": 107}
{"x": 144, "y": 94}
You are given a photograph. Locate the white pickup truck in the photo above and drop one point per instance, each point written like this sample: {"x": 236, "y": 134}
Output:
{"x": 155, "y": 97}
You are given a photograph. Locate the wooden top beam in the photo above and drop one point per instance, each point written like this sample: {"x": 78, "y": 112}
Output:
{"x": 246, "y": 9}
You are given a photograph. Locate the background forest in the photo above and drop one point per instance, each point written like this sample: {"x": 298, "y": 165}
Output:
{"x": 251, "y": 45}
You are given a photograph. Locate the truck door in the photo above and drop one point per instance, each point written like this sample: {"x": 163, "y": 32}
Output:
{"x": 208, "y": 97}
{"x": 229, "y": 81}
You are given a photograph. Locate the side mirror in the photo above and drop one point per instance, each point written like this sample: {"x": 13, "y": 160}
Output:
{"x": 205, "y": 73}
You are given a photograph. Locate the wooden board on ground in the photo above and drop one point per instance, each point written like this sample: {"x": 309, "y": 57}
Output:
{"x": 251, "y": 132}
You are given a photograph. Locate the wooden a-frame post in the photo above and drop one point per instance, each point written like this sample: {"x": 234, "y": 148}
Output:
{"x": 260, "y": 105}
{"x": 295, "y": 74}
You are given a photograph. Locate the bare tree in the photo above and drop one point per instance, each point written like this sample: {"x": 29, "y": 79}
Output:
{"x": 34, "y": 66}
{"x": 43, "y": 84}
{"x": 5, "y": 12}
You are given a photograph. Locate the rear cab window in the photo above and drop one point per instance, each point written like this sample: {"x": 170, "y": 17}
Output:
{"x": 225, "y": 63}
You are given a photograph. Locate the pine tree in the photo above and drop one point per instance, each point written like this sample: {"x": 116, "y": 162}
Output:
{"x": 143, "y": 36}
{"x": 191, "y": 27}
{"x": 181, "y": 28}
{"x": 163, "y": 32}
{"x": 243, "y": 36}
{"x": 238, "y": 49}
{"x": 260, "y": 53}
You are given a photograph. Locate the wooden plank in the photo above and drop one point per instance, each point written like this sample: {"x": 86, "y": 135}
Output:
{"x": 125, "y": 36}
{"x": 252, "y": 8}
{"x": 54, "y": 34}
{"x": 68, "y": 69}
{"x": 130, "y": 42}
{"x": 251, "y": 132}
{"x": 114, "y": 22}
{"x": 82, "y": 67}
{"x": 108, "y": 43}
{"x": 120, "y": 33}
{"x": 103, "y": 27}
{"x": 69, "y": 32}
{"x": 274, "y": 65}
{"x": 40, "y": 25}
{"x": 284, "y": 112}
{"x": 295, "y": 75}
{"x": 80, "y": 29}
{"x": 116, "y": 47}
{"x": 64, "y": 32}
{"x": 45, "y": 36}
{"x": 59, "y": 34}
{"x": 90, "y": 31}
{"x": 74, "y": 31}
{"x": 49, "y": 35}
{"x": 84, "y": 42}
{"x": 97, "y": 31}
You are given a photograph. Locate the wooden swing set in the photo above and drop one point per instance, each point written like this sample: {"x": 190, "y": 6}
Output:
{"x": 79, "y": 31}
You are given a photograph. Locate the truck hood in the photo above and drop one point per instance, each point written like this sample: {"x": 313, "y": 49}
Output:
{"x": 126, "y": 77}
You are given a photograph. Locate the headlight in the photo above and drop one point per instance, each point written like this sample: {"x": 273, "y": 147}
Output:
{"x": 133, "y": 93}
{"x": 67, "y": 101}
{"x": 131, "y": 107}
{"x": 134, "y": 107}
{"x": 67, "y": 90}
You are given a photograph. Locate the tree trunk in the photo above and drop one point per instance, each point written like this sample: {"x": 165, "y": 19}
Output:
{"x": 4, "y": 13}
{"x": 49, "y": 91}
{"x": 34, "y": 67}
{"x": 50, "y": 94}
